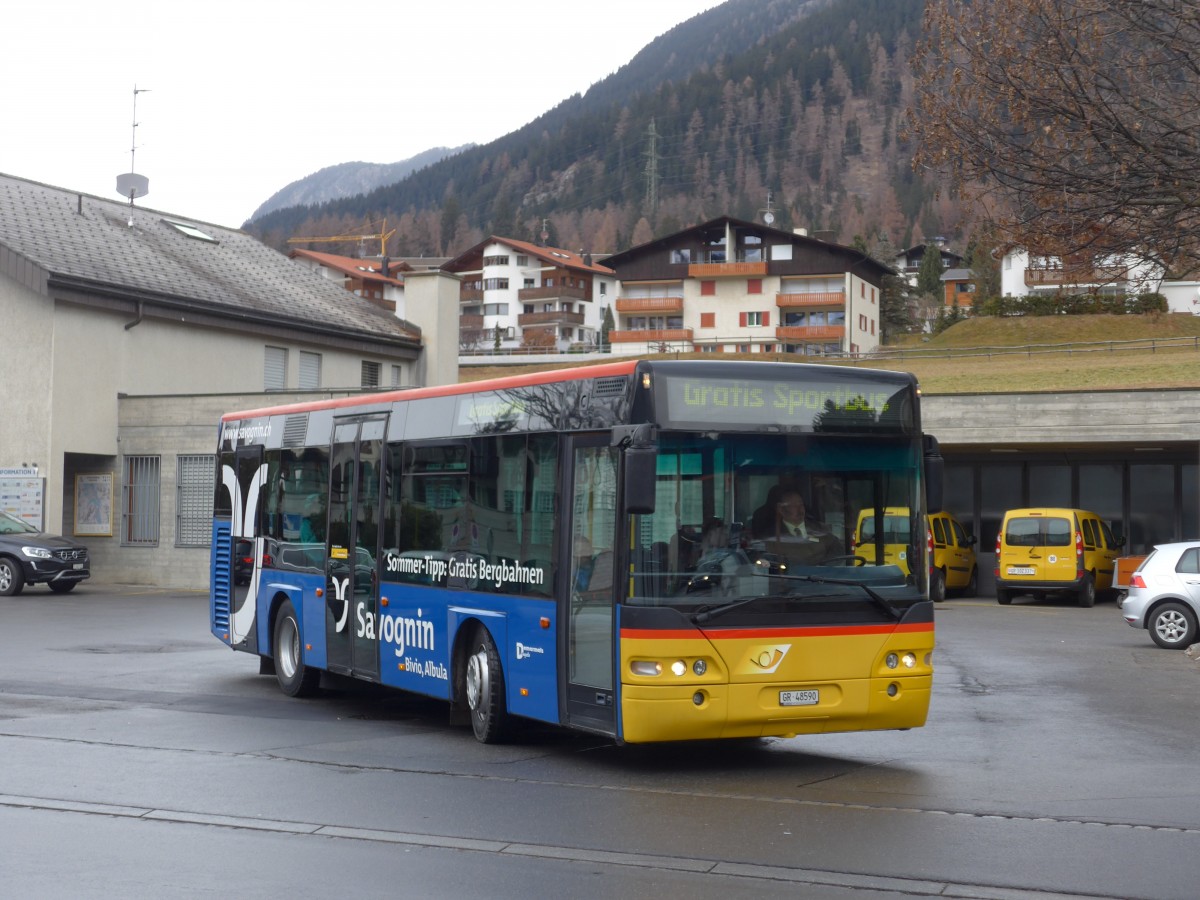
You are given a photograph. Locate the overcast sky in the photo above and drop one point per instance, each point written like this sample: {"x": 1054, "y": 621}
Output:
{"x": 244, "y": 97}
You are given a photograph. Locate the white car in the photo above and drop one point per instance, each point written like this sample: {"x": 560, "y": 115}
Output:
{"x": 1164, "y": 595}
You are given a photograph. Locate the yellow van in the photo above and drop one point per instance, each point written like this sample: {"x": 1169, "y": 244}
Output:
{"x": 1047, "y": 550}
{"x": 953, "y": 566}
{"x": 952, "y": 549}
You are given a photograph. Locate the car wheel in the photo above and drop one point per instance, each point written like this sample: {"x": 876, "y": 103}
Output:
{"x": 62, "y": 587}
{"x": 937, "y": 585}
{"x": 294, "y": 677}
{"x": 483, "y": 683}
{"x": 1003, "y": 596}
{"x": 11, "y": 578}
{"x": 1087, "y": 590}
{"x": 1172, "y": 626}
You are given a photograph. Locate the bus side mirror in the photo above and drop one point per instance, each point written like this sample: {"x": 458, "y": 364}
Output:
{"x": 641, "y": 479}
{"x": 935, "y": 474}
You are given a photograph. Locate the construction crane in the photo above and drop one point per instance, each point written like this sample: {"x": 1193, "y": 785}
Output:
{"x": 382, "y": 236}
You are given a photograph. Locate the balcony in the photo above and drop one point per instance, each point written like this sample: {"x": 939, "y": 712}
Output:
{"x": 466, "y": 323}
{"x": 810, "y": 333}
{"x": 467, "y": 295}
{"x": 650, "y": 335}
{"x": 558, "y": 292}
{"x": 815, "y": 298}
{"x": 650, "y": 304}
{"x": 1059, "y": 275}
{"x": 555, "y": 317}
{"x": 728, "y": 270}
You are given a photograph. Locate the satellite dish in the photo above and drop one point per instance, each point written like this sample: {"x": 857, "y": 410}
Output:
{"x": 133, "y": 185}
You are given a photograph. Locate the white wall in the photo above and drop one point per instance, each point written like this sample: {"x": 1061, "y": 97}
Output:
{"x": 26, "y": 372}
{"x": 1182, "y": 296}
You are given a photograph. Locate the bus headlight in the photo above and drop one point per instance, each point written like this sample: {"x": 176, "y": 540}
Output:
{"x": 892, "y": 661}
{"x": 699, "y": 667}
{"x": 678, "y": 667}
{"x": 645, "y": 667}
{"x": 909, "y": 660}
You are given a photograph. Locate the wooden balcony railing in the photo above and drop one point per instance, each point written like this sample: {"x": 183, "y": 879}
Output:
{"x": 650, "y": 335}
{"x": 468, "y": 322}
{"x": 1076, "y": 275}
{"x": 649, "y": 304}
{"x": 813, "y": 298}
{"x": 558, "y": 292}
{"x": 557, "y": 317}
{"x": 727, "y": 269}
{"x": 810, "y": 333}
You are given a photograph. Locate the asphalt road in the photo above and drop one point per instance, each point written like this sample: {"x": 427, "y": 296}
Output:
{"x": 139, "y": 757}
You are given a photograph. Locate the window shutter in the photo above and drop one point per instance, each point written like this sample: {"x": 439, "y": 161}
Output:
{"x": 742, "y": 319}
{"x": 310, "y": 370}
{"x": 766, "y": 318}
{"x": 275, "y": 369}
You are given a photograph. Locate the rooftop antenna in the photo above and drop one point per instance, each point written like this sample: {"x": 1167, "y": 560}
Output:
{"x": 131, "y": 184}
{"x": 768, "y": 216}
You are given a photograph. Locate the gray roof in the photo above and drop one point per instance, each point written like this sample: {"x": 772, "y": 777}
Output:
{"x": 957, "y": 275}
{"x": 87, "y": 243}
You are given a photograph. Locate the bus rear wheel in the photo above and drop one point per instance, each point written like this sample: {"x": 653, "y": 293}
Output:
{"x": 483, "y": 684}
{"x": 294, "y": 677}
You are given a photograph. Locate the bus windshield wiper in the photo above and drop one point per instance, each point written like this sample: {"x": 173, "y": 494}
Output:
{"x": 878, "y": 599}
{"x": 713, "y": 612}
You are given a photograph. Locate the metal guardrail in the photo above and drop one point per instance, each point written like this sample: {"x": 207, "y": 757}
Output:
{"x": 1028, "y": 350}
{"x": 1153, "y": 345}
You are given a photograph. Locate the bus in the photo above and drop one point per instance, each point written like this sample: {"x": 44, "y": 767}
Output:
{"x": 584, "y": 547}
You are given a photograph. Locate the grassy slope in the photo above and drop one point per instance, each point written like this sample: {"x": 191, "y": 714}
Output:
{"x": 1042, "y": 353}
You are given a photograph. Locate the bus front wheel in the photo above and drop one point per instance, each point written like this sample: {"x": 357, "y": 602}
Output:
{"x": 484, "y": 688}
{"x": 294, "y": 677}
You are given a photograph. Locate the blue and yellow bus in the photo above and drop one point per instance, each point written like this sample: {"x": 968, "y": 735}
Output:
{"x": 596, "y": 547}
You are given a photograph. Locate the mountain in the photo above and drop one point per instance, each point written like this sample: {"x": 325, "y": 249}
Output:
{"x": 350, "y": 180}
{"x": 797, "y": 103}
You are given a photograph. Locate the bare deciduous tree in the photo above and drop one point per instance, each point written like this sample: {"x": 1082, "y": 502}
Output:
{"x": 1077, "y": 122}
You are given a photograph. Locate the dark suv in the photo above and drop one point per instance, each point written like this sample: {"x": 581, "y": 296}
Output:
{"x": 29, "y": 557}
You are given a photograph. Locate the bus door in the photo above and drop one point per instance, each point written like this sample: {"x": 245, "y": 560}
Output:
{"x": 246, "y": 545}
{"x": 351, "y": 570}
{"x": 591, "y": 544}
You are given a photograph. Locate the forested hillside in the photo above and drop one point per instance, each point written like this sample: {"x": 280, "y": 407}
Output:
{"x": 796, "y": 100}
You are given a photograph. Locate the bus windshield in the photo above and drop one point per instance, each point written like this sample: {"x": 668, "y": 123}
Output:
{"x": 742, "y": 516}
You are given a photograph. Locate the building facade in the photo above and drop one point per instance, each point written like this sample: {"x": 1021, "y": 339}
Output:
{"x": 103, "y": 301}
{"x": 732, "y": 286}
{"x": 908, "y": 262}
{"x": 958, "y": 290}
{"x": 520, "y": 295}
{"x": 1023, "y": 273}
{"x": 379, "y": 280}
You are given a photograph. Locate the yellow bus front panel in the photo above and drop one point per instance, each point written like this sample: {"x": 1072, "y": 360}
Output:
{"x": 737, "y": 682}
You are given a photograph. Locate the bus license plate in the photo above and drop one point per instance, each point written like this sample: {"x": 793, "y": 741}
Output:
{"x": 77, "y": 566}
{"x": 1020, "y": 570}
{"x": 799, "y": 698}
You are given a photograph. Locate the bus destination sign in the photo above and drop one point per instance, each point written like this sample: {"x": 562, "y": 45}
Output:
{"x": 815, "y": 406}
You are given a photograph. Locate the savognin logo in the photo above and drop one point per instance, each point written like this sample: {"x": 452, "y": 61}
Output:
{"x": 765, "y": 659}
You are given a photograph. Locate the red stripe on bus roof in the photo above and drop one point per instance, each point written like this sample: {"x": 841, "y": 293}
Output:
{"x": 733, "y": 633}
{"x": 447, "y": 390}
